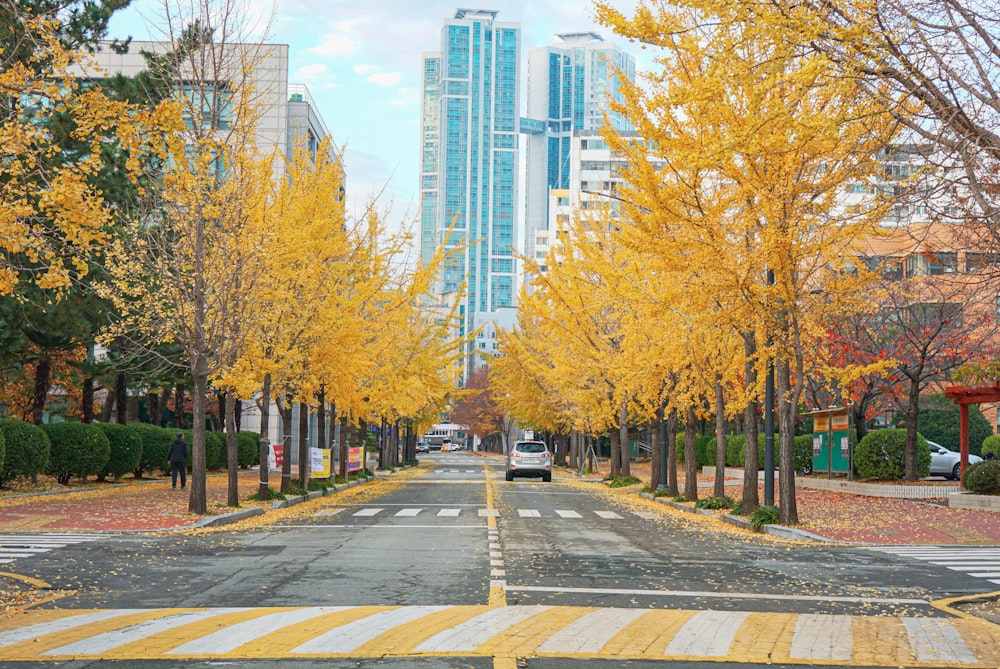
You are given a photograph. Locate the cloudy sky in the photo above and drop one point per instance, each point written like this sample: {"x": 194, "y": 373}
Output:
{"x": 362, "y": 63}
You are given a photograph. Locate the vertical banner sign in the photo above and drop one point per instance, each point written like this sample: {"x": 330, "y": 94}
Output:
{"x": 277, "y": 456}
{"x": 353, "y": 459}
{"x": 319, "y": 462}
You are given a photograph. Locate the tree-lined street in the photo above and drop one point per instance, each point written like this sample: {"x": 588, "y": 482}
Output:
{"x": 448, "y": 560}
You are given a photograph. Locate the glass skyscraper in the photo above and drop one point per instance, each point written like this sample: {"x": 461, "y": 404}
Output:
{"x": 469, "y": 165}
{"x": 570, "y": 85}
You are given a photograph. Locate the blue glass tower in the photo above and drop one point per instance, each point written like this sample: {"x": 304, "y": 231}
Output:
{"x": 469, "y": 163}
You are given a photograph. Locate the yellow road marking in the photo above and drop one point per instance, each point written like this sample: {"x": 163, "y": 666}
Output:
{"x": 36, "y": 583}
{"x": 880, "y": 640}
{"x": 402, "y": 640}
{"x": 764, "y": 637}
{"x": 34, "y": 648}
{"x": 649, "y": 635}
{"x": 281, "y": 642}
{"x": 523, "y": 638}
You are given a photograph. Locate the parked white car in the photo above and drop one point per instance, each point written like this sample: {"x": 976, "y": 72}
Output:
{"x": 946, "y": 463}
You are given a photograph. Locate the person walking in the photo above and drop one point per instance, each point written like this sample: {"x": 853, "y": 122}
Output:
{"x": 177, "y": 457}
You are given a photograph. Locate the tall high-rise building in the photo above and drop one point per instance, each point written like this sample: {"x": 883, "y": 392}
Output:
{"x": 469, "y": 166}
{"x": 570, "y": 85}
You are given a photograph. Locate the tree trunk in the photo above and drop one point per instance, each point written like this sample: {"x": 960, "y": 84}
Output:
{"x": 912, "y": 424}
{"x": 751, "y": 493}
{"x": 198, "y": 499}
{"x": 321, "y": 417}
{"x": 164, "y": 401}
{"x": 789, "y": 514}
{"x": 222, "y": 408}
{"x": 304, "y": 460}
{"x": 43, "y": 379}
{"x": 285, "y": 411}
{"x": 626, "y": 469}
{"x": 179, "y": 406}
{"x": 672, "y": 489}
{"x": 690, "y": 456}
{"x": 383, "y": 444}
{"x": 238, "y": 414}
{"x": 232, "y": 457}
{"x": 343, "y": 447}
{"x": 656, "y": 447}
{"x": 720, "y": 441}
{"x": 87, "y": 401}
{"x": 263, "y": 489}
{"x": 121, "y": 398}
{"x": 153, "y": 406}
{"x": 108, "y": 409}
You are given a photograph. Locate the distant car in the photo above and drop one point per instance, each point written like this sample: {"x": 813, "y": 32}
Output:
{"x": 423, "y": 447}
{"x": 529, "y": 458}
{"x": 946, "y": 463}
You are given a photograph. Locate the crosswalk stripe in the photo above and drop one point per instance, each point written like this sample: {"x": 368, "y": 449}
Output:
{"x": 589, "y": 633}
{"x": 529, "y": 513}
{"x": 470, "y": 634}
{"x": 568, "y": 514}
{"x": 368, "y": 512}
{"x": 609, "y": 515}
{"x": 345, "y": 638}
{"x": 232, "y": 637}
{"x": 707, "y": 633}
{"x": 936, "y": 640}
{"x": 449, "y": 513}
{"x": 408, "y": 513}
{"x": 102, "y": 643}
{"x": 822, "y": 637}
{"x": 10, "y": 637}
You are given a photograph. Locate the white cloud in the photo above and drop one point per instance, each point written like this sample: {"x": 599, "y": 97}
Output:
{"x": 364, "y": 69}
{"x": 311, "y": 72}
{"x": 334, "y": 44}
{"x": 384, "y": 78}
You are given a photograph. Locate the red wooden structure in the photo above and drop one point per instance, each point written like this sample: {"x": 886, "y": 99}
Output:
{"x": 964, "y": 396}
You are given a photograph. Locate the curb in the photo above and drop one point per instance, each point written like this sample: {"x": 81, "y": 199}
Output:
{"x": 773, "y": 530}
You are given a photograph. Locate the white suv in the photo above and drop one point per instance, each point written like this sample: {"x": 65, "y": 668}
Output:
{"x": 529, "y": 458}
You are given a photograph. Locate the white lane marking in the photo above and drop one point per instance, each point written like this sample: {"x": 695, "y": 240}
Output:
{"x": 719, "y": 595}
{"x": 232, "y": 637}
{"x": 963, "y": 564}
{"x": 497, "y": 573}
{"x": 345, "y": 638}
{"x": 478, "y": 630}
{"x": 102, "y": 643}
{"x": 707, "y": 633}
{"x": 609, "y": 515}
{"x": 489, "y": 513}
{"x": 589, "y": 633}
{"x": 10, "y": 637}
{"x": 496, "y": 554}
{"x": 496, "y": 563}
{"x": 408, "y": 513}
{"x": 567, "y": 514}
{"x": 367, "y": 512}
{"x": 449, "y": 513}
{"x": 937, "y": 640}
{"x": 529, "y": 513}
{"x": 986, "y": 574}
{"x": 822, "y": 637}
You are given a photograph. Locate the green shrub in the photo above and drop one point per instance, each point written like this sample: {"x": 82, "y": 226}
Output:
{"x": 126, "y": 449}
{"x": 77, "y": 449}
{"x": 991, "y": 444}
{"x": 804, "y": 454}
{"x": 714, "y": 503}
{"x": 982, "y": 478}
{"x": 680, "y": 498}
{"x": 623, "y": 482}
{"x": 155, "y": 443}
{"x": 27, "y": 449}
{"x": 763, "y": 515}
{"x": 704, "y": 443}
{"x": 247, "y": 448}
{"x": 215, "y": 450}
{"x": 882, "y": 455}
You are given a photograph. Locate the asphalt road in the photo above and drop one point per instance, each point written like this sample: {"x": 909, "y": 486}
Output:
{"x": 455, "y": 567}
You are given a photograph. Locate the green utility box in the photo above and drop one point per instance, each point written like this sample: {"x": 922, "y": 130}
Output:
{"x": 832, "y": 451}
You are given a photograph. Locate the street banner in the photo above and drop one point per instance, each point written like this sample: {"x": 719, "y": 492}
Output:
{"x": 275, "y": 456}
{"x": 320, "y": 465}
{"x": 353, "y": 459}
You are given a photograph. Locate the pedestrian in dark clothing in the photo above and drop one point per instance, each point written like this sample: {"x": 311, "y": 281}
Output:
{"x": 177, "y": 457}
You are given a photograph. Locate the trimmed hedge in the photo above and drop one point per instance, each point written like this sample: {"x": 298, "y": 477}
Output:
{"x": 982, "y": 478}
{"x": 247, "y": 448}
{"x": 27, "y": 448}
{"x": 215, "y": 449}
{"x": 882, "y": 455}
{"x": 126, "y": 449}
{"x": 77, "y": 449}
{"x": 991, "y": 444}
{"x": 155, "y": 442}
